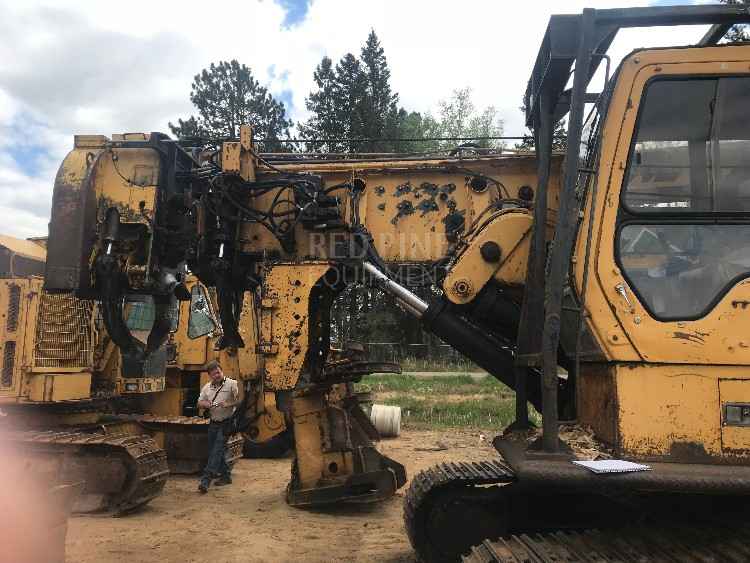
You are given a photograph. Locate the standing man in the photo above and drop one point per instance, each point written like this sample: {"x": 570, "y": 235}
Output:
{"x": 221, "y": 397}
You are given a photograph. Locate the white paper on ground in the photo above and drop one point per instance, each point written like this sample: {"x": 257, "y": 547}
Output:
{"x": 612, "y": 466}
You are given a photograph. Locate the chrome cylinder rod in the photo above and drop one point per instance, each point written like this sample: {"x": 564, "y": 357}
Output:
{"x": 413, "y": 303}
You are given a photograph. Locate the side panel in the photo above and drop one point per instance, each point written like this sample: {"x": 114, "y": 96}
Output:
{"x": 285, "y": 321}
{"x": 676, "y": 411}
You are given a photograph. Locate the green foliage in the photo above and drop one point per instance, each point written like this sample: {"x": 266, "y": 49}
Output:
{"x": 226, "y": 96}
{"x": 379, "y": 104}
{"x": 446, "y": 401}
{"x": 459, "y": 117}
{"x": 462, "y": 384}
{"x": 353, "y": 100}
{"x": 486, "y": 412}
{"x": 559, "y": 136}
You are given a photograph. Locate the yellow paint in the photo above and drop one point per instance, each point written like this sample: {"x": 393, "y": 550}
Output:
{"x": 192, "y": 353}
{"x": 247, "y": 158}
{"x": 662, "y": 410}
{"x": 167, "y": 403}
{"x": 316, "y": 466}
{"x": 230, "y": 157}
{"x": 626, "y": 332}
{"x": 284, "y": 320}
{"x": 470, "y": 272}
{"x": 430, "y": 189}
{"x": 19, "y": 337}
{"x": 307, "y": 412}
{"x": 248, "y": 358}
{"x": 51, "y": 387}
{"x": 271, "y": 421}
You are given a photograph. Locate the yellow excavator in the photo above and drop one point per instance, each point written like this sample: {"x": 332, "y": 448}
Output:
{"x": 623, "y": 261}
{"x": 64, "y": 399}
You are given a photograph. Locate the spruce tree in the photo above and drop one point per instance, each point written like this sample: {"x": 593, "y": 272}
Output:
{"x": 379, "y": 105}
{"x": 325, "y": 121}
{"x": 349, "y": 95}
{"x": 353, "y": 100}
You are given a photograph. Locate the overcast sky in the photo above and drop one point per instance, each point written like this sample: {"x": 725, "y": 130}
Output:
{"x": 100, "y": 67}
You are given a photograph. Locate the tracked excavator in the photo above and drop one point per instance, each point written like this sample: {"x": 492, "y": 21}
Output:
{"x": 623, "y": 261}
{"x": 66, "y": 405}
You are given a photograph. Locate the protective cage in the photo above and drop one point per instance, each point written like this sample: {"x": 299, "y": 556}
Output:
{"x": 63, "y": 332}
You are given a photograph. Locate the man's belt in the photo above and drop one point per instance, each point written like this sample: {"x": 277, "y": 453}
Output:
{"x": 214, "y": 421}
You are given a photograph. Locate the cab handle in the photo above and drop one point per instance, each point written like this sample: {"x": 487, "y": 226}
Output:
{"x": 620, "y": 289}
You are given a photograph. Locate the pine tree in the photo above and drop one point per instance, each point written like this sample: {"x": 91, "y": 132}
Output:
{"x": 349, "y": 96}
{"x": 325, "y": 120}
{"x": 379, "y": 104}
{"x": 226, "y": 96}
{"x": 353, "y": 100}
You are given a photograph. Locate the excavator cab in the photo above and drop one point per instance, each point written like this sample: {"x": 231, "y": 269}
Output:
{"x": 640, "y": 289}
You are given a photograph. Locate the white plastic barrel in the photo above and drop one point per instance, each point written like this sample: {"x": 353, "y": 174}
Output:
{"x": 387, "y": 420}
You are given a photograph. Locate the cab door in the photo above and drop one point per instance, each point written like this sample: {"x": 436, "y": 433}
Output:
{"x": 674, "y": 246}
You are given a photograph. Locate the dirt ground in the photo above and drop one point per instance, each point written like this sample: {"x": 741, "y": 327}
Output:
{"x": 249, "y": 521}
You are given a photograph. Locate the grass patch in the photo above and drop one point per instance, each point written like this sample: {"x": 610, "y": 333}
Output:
{"x": 483, "y": 413}
{"x": 450, "y": 401}
{"x": 434, "y": 385}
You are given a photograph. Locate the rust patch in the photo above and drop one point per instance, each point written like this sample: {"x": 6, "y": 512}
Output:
{"x": 127, "y": 213}
{"x": 695, "y": 337}
{"x": 740, "y": 304}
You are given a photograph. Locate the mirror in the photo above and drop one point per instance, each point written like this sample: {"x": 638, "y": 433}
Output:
{"x": 201, "y": 321}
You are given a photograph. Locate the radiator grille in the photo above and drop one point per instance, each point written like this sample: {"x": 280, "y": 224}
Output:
{"x": 14, "y": 306}
{"x": 9, "y": 360}
{"x": 63, "y": 332}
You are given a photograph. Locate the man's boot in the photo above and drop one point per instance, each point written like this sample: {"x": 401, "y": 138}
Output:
{"x": 203, "y": 485}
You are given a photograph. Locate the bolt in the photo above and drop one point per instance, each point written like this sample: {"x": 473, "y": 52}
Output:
{"x": 491, "y": 252}
{"x": 462, "y": 287}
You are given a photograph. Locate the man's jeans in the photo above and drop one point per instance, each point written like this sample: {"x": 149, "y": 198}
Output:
{"x": 217, "y": 465}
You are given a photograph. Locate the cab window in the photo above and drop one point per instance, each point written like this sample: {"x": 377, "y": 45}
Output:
{"x": 139, "y": 314}
{"x": 201, "y": 320}
{"x": 684, "y": 221}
